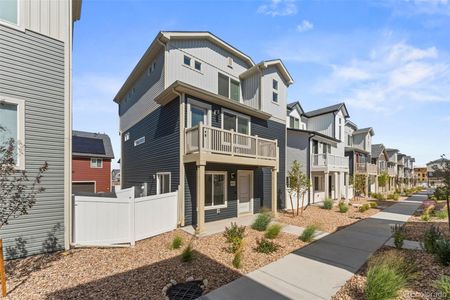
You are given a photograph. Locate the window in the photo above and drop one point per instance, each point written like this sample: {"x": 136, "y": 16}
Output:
{"x": 235, "y": 122}
{"x": 139, "y": 141}
{"x": 96, "y": 163}
{"x": 229, "y": 88}
{"x": 215, "y": 189}
{"x": 198, "y": 65}
{"x": 162, "y": 183}
{"x": 275, "y": 84}
{"x": 9, "y": 11}
{"x": 275, "y": 97}
{"x": 340, "y": 129}
{"x": 349, "y": 140}
{"x": 235, "y": 88}
{"x": 12, "y": 126}
{"x": 198, "y": 112}
{"x": 187, "y": 60}
{"x": 294, "y": 122}
{"x": 316, "y": 183}
{"x": 126, "y": 136}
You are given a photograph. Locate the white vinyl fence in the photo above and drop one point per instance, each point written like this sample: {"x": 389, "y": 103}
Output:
{"x": 106, "y": 221}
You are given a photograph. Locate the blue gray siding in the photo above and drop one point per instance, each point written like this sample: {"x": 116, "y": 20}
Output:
{"x": 32, "y": 69}
{"x": 159, "y": 153}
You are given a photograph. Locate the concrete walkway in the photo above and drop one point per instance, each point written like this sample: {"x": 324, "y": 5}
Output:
{"x": 320, "y": 269}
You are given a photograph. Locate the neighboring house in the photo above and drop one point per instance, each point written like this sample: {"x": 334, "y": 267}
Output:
{"x": 199, "y": 117}
{"x": 115, "y": 179}
{"x": 316, "y": 140}
{"x": 393, "y": 169}
{"x": 433, "y": 180}
{"x": 358, "y": 147}
{"x": 380, "y": 158}
{"x": 91, "y": 162}
{"x": 421, "y": 174}
{"x": 35, "y": 109}
{"x": 401, "y": 171}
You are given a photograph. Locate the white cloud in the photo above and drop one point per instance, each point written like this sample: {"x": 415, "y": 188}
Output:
{"x": 350, "y": 73}
{"x": 305, "y": 26}
{"x": 278, "y": 8}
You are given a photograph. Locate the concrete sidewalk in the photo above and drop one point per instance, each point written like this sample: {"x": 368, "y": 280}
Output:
{"x": 320, "y": 269}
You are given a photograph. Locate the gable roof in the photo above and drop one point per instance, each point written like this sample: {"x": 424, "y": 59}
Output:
{"x": 295, "y": 105}
{"x": 351, "y": 124}
{"x": 365, "y": 130}
{"x": 89, "y": 144}
{"x": 377, "y": 149}
{"x": 391, "y": 150}
{"x": 328, "y": 109}
{"x": 157, "y": 44}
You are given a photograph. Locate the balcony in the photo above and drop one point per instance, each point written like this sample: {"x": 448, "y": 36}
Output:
{"x": 329, "y": 162}
{"x": 391, "y": 171}
{"x": 206, "y": 143}
{"x": 366, "y": 168}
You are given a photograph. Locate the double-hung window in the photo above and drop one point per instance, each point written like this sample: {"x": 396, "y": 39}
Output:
{"x": 228, "y": 87}
{"x": 294, "y": 122}
{"x": 275, "y": 91}
{"x": 163, "y": 183}
{"x": 9, "y": 11}
{"x": 12, "y": 127}
{"x": 96, "y": 163}
{"x": 215, "y": 190}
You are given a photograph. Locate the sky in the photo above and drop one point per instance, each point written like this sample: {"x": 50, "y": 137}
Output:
{"x": 389, "y": 61}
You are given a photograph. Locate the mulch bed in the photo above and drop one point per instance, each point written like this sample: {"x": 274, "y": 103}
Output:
{"x": 420, "y": 288}
{"x": 331, "y": 220}
{"x": 415, "y": 227}
{"x": 138, "y": 272}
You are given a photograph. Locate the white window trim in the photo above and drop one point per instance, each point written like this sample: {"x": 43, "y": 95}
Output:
{"x": 190, "y": 60}
{"x": 94, "y": 166}
{"x": 20, "y": 11}
{"x": 20, "y": 141}
{"x": 202, "y": 105}
{"x": 139, "y": 141}
{"x": 158, "y": 191}
{"x": 225, "y": 204}
{"x": 229, "y": 86}
{"x": 238, "y": 115}
{"x": 278, "y": 97}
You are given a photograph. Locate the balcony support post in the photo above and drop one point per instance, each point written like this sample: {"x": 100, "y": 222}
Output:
{"x": 200, "y": 198}
{"x": 346, "y": 186}
{"x": 327, "y": 185}
{"x": 377, "y": 188}
{"x": 274, "y": 192}
{"x": 367, "y": 185}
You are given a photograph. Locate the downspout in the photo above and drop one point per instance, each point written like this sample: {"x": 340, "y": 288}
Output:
{"x": 308, "y": 170}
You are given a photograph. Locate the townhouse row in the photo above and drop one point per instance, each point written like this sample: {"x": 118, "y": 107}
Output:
{"x": 199, "y": 116}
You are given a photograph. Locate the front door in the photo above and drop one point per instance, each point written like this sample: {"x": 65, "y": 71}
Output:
{"x": 245, "y": 192}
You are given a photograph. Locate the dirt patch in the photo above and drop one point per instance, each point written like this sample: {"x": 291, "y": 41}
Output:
{"x": 420, "y": 288}
{"x": 415, "y": 228}
{"x": 138, "y": 272}
{"x": 332, "y": 220}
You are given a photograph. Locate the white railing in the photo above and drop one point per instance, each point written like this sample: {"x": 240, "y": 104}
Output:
{"x": 329, "y": 160}
{"x": 391, "y": 171}
{"x": 366, "y": 168}
{"x": 220, "y": 141}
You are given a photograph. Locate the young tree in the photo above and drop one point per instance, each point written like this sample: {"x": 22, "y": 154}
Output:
{"x": 305, "y": 185}
{"x": 359, "y": 184}
{"x": 442, "y": 171}
{"x": 298, "y": 184}
{"x": 383, "y": 180}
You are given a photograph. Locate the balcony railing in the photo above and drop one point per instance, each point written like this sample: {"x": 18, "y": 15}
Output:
{"x": 330, "y": 161}
{"x": 366, "y": 168}
{"x": 219, "y": 141}
{"x": 391, "y": 171}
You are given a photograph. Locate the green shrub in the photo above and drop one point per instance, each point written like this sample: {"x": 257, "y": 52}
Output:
{"x": 327, "y": 203}
{"x": 273, "y": 230}
{"x": 425, "y": 217}
{"x": 394, "y": 196}
{"x": 443, "y": 251}
{"x": 364, "y": 207}
{"x": 439, "y": 193}
{"x": 399, "y": 235}
{"x": 176, "y": 243}
{"x": 266, "y": 246}
{"x": 262, "y": 221}
{"x": 387, "y": 275}
{"x": 441, "y": 214}
{"x": 235, "y": 236}
{"x": 237, "y": 259}
{"x": 430, "y": 239}
{"x": 308, "y": 234}
{"x": 372, "y": 204}
{"x": 343, "y": 208}
{"x": 187, "y": 255}
{"x": 443, "y": 284}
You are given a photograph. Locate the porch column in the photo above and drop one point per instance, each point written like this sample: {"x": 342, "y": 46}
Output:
{"x": 347, "y": 178}
{"x": 367, "y": 185}
{"x": 274, "y": 192}
{"x": 327, "y": 185}
{"x": 200, "y": 198}
{"x": 376, "y": 184}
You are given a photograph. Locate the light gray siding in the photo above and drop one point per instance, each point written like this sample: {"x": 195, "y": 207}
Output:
{"x": 250, "y": 90}
{"x": 322, "y": 124}
{"x": 139, "y": 104}
{"x": 32, "y": 69}
{"x": 278, "y": 110}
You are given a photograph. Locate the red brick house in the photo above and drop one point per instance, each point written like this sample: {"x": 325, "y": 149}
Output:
{"x": 91, "y": 162}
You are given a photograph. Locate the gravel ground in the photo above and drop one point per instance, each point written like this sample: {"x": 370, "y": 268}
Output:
{"x": 330, "y": 220}
{"x": 420, "y": 288}
{"x": 415, "y": 228}
{"x": 139, "y": 272}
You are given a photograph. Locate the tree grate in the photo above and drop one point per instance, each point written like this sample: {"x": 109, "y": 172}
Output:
{"x": 185, "y": 291}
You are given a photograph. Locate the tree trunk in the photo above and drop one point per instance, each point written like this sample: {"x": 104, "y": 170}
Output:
{"x": 292, "y": 205}
{"x": 2, "y": 270}
{"x": 298, "y": 201}
{"x": 303, "y": 203}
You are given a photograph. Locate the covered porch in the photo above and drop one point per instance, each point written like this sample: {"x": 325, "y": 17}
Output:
{"x": 333, "y": 185}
